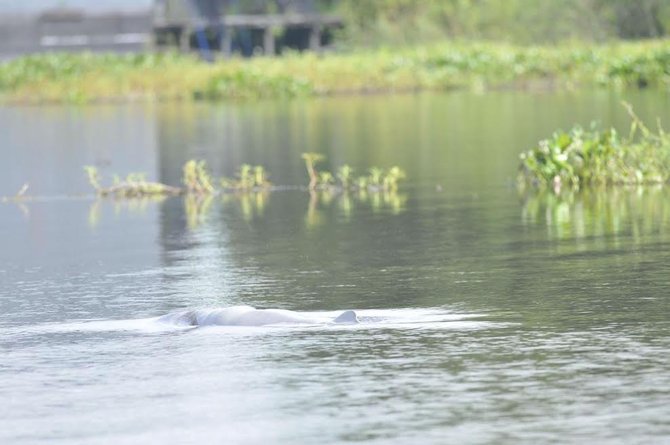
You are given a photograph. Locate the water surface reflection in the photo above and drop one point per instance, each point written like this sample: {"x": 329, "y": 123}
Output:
{"x": 571, "y": 291}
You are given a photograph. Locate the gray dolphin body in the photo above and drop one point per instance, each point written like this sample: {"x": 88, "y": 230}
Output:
{"x": 249, "y": 316}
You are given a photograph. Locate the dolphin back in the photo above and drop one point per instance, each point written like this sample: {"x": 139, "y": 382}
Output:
{"x": 347, "y": 317}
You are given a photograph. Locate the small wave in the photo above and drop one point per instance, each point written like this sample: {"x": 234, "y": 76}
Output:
{"x": 247, "y": 316}
{"x": 264, "y": 319}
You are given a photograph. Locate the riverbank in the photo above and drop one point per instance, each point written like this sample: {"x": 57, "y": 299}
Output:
{"x": 82, "y": 78}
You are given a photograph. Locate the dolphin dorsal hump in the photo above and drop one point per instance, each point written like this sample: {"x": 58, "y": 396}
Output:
{"x": 347, "y": 317}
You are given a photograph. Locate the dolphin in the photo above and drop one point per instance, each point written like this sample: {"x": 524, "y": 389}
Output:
{"x": 250, "y": 316}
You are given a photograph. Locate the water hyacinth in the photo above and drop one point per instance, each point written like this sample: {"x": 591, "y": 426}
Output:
{"x": 248, "y": 178}
{"x": 377, "y": 178}
{"x": 582, "y": 157}
{"x": 197, "y": 180}
{"x": 134, "y": 185}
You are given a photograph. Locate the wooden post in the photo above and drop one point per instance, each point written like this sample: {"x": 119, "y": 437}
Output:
{"x": 227, "y": 42}
{"x": 315, "y": 38}
{"x": 185, "y": 39}
{"x": 269, "y": 41}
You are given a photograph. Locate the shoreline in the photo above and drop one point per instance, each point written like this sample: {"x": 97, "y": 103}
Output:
{"x": 479, "y": 67}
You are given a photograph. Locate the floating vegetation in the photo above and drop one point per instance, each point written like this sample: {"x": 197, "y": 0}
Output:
{"x": 311, "y": 159}
{"x": 196, "y": 178}
{"x": 346, "y": 176}
{"x": 19, "y": 196}
{"x": 376, "y": 180}
{"x": 250, "y": 189}
{"x": 580, "y": 157}
{"x": 133, "y": 186}
{"x": 248, "y": 178}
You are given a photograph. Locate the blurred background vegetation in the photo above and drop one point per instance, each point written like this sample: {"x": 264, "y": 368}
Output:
{"x": 384, "y": 46}
{"x": 381, "y": 22}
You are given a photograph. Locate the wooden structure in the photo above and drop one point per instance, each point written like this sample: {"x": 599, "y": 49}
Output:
{"x": 74, "y": 29}
{"x": 184, "y": 19}
{"x": 269, "y": 23}
{"x": 206, "y": 25}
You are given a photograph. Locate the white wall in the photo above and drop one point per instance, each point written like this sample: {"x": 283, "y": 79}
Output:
{"x": 14, "y": 6}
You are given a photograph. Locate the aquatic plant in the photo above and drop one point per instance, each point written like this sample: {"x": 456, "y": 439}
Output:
{"x": 392, "y": 177}
{"x": 93, "y": 177}
{"x": 261, "y": 176}
{"x": 326, "y": 179}
{"x": 362, "y": 183}
{"x": 19, "y": 196}
{"x": 248, "y": 178}
{"x": 196, "y": 178}
{"x": 582, "y": 157}
{"x": 134, "y": 185}
{"x": 311, "y": 159}
{"x": 346, "y": 176}
{"x": 377, "y": 178}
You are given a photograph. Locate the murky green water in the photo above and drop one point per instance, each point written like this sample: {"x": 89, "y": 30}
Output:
{"x": 490, "y": 316}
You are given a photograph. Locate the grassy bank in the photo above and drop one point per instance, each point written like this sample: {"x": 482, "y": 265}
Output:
{"x": 476, "y": 66}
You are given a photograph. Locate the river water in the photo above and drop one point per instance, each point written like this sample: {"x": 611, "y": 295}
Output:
{"x": 487, "y": 315}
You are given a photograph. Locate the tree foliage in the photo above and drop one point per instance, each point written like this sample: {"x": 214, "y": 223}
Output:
{"x": 521, "y": 21}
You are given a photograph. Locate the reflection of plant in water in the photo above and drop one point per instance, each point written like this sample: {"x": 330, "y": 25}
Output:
{"x": 196, "y": 207}
{"x": 597, "y": 212}
{"x": 133, "y": 205}
{"x": 94, "y": 214}
{"x": 314, "y": 217}
{"x": 250, "y": 204}
{"x": 347, "y": 202}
